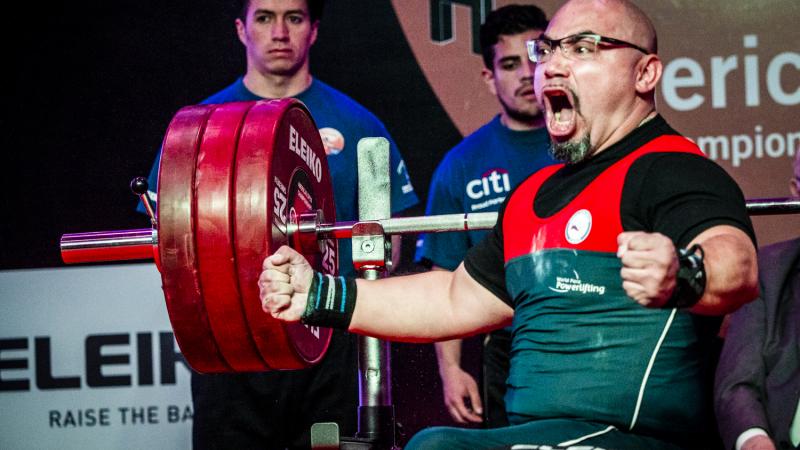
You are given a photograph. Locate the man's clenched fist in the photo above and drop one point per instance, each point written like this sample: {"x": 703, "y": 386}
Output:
{"x": 649, "y": 267}
{"x": 284, "y": 283}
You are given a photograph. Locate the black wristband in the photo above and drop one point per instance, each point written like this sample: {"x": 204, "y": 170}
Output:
{"x": 331, "y": 301}
{"x": 690, "y": 281}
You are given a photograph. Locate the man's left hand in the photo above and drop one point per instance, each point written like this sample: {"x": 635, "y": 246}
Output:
{"x": 649, "y": 267}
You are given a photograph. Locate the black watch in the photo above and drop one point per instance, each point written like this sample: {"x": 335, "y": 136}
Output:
{"x": 690, "y": 282}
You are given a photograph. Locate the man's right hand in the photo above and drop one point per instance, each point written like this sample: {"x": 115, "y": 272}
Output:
{"x": 284, "y": 283}
{"x": 458, "y": 385}
{"x": 759, "y": 442}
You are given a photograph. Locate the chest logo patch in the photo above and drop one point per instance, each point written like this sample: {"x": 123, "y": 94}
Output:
{"x": 578, "y": 227}
{"x": 574, "y": 284}
{"x": 332, "y": 140}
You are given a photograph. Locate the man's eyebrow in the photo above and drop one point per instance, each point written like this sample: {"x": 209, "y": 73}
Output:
{"x": 269, "y": 11}
{"x": 547, "y": 37}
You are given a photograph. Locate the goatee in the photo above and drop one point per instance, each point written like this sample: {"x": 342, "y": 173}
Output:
{"x": 571, "y": 152}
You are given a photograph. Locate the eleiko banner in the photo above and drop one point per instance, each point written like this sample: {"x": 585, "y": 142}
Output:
{"x": 88, "y": 360}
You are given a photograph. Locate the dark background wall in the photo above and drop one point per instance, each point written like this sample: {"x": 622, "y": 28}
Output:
{"x": 95, "y": 83}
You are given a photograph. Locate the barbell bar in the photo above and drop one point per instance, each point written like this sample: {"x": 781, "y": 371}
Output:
{"x": 75, "y": 248}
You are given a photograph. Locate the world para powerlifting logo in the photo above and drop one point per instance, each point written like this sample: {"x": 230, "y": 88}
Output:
{"x": 575, "y": 284}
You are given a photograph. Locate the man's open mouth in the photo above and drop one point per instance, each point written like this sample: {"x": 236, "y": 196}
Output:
{"x": 561, "y": 112}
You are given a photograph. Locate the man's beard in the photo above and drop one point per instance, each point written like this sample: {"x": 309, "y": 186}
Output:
{"x": 572, "y": 152}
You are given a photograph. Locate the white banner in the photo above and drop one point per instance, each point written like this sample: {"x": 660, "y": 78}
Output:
{"x": 88, "y": 360}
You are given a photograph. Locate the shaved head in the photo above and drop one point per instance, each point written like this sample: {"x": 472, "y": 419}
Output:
{"x": 621, "y": 19}
{"x": 642, "y": 25}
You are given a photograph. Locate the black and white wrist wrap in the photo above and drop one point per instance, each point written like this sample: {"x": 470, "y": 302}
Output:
{"x": 331, "y": 301}
{"x": 690, "y": 282}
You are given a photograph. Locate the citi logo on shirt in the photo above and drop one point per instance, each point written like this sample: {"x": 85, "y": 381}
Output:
{"x": 494, "y": 181}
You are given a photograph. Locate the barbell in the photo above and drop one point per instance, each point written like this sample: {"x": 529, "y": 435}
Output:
{"x": 237, "y": 181}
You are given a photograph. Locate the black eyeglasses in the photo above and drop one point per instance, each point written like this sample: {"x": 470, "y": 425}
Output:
{"x": 581, "y": 46}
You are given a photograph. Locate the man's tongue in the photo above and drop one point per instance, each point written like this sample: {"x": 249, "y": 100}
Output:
{"x": 561, "y": 120}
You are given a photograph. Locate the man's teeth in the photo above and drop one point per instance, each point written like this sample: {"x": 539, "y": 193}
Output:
{"x": 558, "y": 116}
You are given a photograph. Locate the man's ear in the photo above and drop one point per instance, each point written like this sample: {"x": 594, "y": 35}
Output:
{"x": 488, "y": 78}
{"x": 648, "y": 73}
{"x": 241, "y": 31}
{"x": 314, "y": 30}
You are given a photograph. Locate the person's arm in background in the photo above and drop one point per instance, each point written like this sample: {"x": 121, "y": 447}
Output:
{"x": 397, "y": 251}
{"x": 458, "y": 384}
{"x": 443, "y": 250}
{"x": 740, "y": 373}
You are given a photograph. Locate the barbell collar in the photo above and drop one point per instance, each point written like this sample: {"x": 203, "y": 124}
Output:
{"x": 120, "y": 245}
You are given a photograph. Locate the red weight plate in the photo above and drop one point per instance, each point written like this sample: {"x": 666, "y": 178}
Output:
{"x": 310, "y": 189}
{"x": 281, "y": 171}
{"x": 185, "y": 305}
{"x": 214, "y": 238}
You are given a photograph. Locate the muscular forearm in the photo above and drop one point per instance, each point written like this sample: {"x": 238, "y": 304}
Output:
{"x": 427, "y": 307}
{"x": 731, "y": 270}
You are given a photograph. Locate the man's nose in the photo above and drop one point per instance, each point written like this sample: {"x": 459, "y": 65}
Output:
{"x": 557, "y": 64}
{"x": 280, "y": 31}
{"x": 526, "y": 69}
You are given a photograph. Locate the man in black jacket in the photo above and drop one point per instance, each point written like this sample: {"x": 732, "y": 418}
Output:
{"x": 757, "y": 393}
